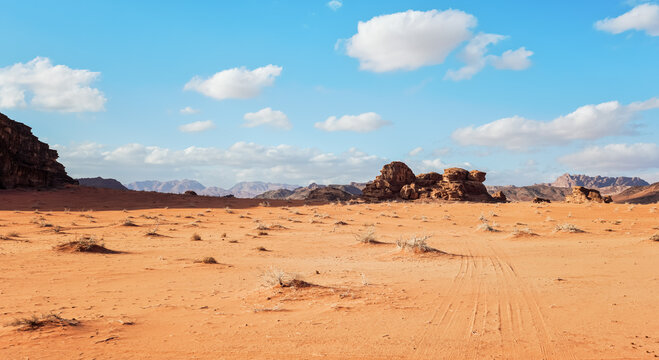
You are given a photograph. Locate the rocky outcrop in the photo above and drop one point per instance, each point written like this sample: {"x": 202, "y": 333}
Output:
{"x": 528, "y": 193}
{"x": 540, "y": 200}
{"x": 307, "y": 192}
{"x": 397, "y": 181}
{"x": 99, "y": 182}
{"x": 329, "y": 194}
{"x": 582, "y": 195}
{"x": 25, "y": 161}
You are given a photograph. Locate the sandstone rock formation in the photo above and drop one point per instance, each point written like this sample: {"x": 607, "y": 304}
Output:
{"x": 581, "y": 195}
{"x": 397, "y": 181}
{"x": 540, "y": 200}
{"x": 25, "y": 161}
{"x": 499, "y": 196}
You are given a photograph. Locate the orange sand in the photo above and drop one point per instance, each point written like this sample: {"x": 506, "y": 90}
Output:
{"x": 490, "y": 295}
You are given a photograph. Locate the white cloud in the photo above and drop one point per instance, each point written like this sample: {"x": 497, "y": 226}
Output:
{"x": 188, "y": 111}
{"x": 585, "y": 123}
{"x": 615, "y": 157}
{"x": 474, "y": 56}
{"x": 412, "y": 39}
{"x": 236, "y": 83}
{"x": 512, "y": 59}
{"x": 267, "y": 116}
{"x": 51, "y": 88}
{"x": 644, "y": 17}
{"x": 416, "y": 151}
{"x": 365, "y": 122}
{"x": 335, "y": 4}
{"x": 240, "y": 162}
{"x": 436, "y": 165}
{"x": 409, "y": 40}
{"x": 197, "y": 126}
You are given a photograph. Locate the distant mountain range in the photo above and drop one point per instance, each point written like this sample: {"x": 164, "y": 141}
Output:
{"x": 247, "y": 189}
{"x": 605, "y": 184}
{"x": 557, "y": 190}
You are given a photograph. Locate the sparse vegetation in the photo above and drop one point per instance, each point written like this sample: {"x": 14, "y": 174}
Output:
{"x": 35, "y": 322}
{"x": 415, "y": 243}
{"x": 485, "y": 227}
{"x": 654, "y": 237}
{"x": 277, "y": 277}
{"x": 207, "y": 260}
{"x": 570, "y": 228}
{"x": 128, "y": 222}
{"x": 368, "y": 237}
{"x": 523, "y": 232}
{"x": 195, "y": 237}
{"x": 87, "y": 243}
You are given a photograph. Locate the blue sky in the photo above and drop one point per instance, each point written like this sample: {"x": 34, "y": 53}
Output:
{"x": 113, "y": 107}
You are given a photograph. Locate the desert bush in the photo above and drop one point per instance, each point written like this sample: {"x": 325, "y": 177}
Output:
{"x": 195, "y": 237}
{"x": 367, "y": 237}
{"x": 277, "y": 277}
{"x": 654, "y": 237}
{"x": 87, "y": 243}
{"x": 571, "y": 228}
{"x": 128, "y": 222}
{"x": 207, "y": 260}
{"x": 415, "y": 243}
{"x": 35, "y": 322}
{"x": 485, "y": 227}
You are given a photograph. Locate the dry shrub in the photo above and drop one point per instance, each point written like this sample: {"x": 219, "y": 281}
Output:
{"x": 85, "y": 244}
{"x": 206, "y": 260}
{"x": 277, "y": 277}
{"x": 195, "y": 237}
{"x": 367, "y": 237}
{"x": 35, "y": 322}
{"x": 415, "y": 243}
{"x": 570, "y": 228}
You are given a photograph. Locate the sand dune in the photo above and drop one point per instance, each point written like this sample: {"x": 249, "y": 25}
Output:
{"x": 501, "y": 294}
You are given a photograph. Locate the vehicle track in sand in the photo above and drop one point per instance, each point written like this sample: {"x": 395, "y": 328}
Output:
{"x": 489, "y": 309}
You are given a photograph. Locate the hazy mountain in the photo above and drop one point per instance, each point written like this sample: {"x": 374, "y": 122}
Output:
{"x": 250, "y": 189}
{"x": 528, "y": 193}
{"x": 172, "y": 186}
{"x": 246, "y": 189}
{"x": 605, "y": 184}
{"x": 99, "y": 182}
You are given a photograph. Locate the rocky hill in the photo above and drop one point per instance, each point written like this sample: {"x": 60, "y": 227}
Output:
{"x": 605, "y": 184}
{"x": 309, "y": 192}
{"x": 25, "y": 161}
{"x": 528, "y": 193}
{"x": 99, "y": 182}
{"x": 639, "y": 195}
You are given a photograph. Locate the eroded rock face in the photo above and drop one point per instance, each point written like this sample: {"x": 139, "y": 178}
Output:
{"x": 25, "y": 161}
{"x": 391, "y": 180}
{"x": 397, "y": 181}
{"x": 582, "y": 195}
{"x": 499, "y": 196}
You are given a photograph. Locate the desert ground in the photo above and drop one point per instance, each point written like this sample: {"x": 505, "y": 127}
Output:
{"x": 498, "y": 281}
